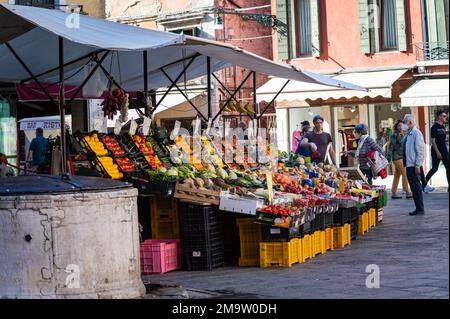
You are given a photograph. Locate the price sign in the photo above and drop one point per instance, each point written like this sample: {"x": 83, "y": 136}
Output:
{"x": 133, "y": 127}
{"x": 146, "y": 125}
{"x": 176, "y": 129}
{"x": 197, "y": 124}
{"x": 117, "y": 127}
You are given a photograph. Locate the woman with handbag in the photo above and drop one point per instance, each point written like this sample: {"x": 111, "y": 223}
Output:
{"x": 366, "y": 145}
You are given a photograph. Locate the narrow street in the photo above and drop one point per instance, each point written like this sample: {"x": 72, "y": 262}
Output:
{"x": 411, "y": 253}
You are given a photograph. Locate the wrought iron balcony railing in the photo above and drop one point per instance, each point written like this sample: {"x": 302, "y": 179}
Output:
{"x": 431, "y": 51}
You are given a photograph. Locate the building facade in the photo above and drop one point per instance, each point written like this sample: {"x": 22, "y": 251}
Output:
{"x": 385, "y": 45}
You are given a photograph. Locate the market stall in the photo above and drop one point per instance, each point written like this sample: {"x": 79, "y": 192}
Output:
{"x": 190, "y": 195}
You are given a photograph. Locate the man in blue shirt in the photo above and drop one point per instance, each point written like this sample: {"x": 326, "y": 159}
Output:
{"x": 38, "y": 149}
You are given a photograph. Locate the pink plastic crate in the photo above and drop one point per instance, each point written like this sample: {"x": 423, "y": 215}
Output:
{"x": 160, "y": 255}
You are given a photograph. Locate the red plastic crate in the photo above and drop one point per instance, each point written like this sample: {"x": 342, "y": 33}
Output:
{"x": 160, "y": 255}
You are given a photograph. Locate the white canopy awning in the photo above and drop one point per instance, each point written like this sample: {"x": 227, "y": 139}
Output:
{"x": 33, "y": 33}
{"x": 426, "y": 93}
{"x": 379, "y": 83}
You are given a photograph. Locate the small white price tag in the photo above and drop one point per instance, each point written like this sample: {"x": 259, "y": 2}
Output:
{"x": 117, "y": 127}
{"x": 146, "y": 125}
{"x": 133, "y": 127}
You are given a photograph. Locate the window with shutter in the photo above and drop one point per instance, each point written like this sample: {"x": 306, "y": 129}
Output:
{"x": 364, "y": 38}
{"x": 382, "y": 25}
{"x": 307, "y": 28}
{"x": 284, "y": 40}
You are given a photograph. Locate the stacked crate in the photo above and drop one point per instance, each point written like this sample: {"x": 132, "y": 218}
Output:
{"x": 202, "y": 236}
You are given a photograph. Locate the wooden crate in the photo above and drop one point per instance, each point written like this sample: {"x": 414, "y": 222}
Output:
{"x": 196, "y": 195}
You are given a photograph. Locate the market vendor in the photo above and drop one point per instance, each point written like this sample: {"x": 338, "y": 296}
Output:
{"x": 320, "y": 143}
{"x": 38, "y": 149}
{"x": 5, "y": 170}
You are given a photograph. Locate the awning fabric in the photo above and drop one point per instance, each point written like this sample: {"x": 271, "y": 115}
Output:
{"x": 426, "y": 93}
{"x": 378, "y": 83}
{"x": 33, "y": 33}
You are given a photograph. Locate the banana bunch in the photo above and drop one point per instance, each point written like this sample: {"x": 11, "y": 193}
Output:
{"x": 237, "y": 107}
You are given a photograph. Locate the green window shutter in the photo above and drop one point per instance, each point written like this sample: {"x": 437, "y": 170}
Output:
{"x": 315, "y": 28}
{"x": 401, "y": 25}
{"x": 364, "y": 28}
{"x": 441, "y": 22}
{"x": 284, "y": 41}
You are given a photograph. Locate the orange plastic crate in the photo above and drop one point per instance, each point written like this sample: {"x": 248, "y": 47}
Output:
{"x": 342, "y": 236}
{"x": 363, "y": 223}
{"x": 164, "y": 218}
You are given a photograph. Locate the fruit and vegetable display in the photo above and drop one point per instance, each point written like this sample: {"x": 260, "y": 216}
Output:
{"x": 125, "y": 164}
{"x": 112, "y": 145}
{"x": 298, "y": 185}
{"x": 111, "y": 168}
{"x": 95, "y": 144}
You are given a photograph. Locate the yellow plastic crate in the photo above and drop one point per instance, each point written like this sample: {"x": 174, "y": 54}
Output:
{"x": 306, "y": 246}
{"x": 342, "y": 236}
{"x": 318, "y": 242}
{"x": 372, "y": 217}
{"x": 249, "y": 238}
{"x": 329, "y": 239}
{"x": 279, "y": 254}
{"x": 363, "y": 223}
{"x": 164, "y": 218}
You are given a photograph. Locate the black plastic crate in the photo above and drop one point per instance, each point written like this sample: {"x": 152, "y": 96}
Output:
{"x": 318, "y": 223}
{"x": 279, "y": 234}
{"x": 203, "y": 258}
{"x": 354, "y": 229}
{"x": 144, "y": 186}
{"x": 343, "y": 216}
{"x": 328, "y": 220}
{"x": 306, "y": 229}
{"x": 198, "y": 215}
{"x": 211, "y": 236}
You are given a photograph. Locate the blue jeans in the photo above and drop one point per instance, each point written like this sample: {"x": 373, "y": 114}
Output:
{"x": 415, "y": 184}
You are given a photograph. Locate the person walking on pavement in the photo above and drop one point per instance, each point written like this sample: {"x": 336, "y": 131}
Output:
{"x": 319, "y": 142}
{"x": 38, "y": 149}
{"x": 413, "y": 157}
{"x": 365, "y": 145}
{"x": 439, "y": 151}
{"x": 395, "y": 154}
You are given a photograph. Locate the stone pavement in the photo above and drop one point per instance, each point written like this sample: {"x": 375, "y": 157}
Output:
{"x": 411, "y": 253}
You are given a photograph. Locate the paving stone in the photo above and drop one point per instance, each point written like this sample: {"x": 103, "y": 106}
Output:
{"x": 411, "y": 251}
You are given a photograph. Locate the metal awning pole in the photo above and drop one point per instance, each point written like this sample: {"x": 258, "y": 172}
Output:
{"x": 257, "y": 120}
{"x": 274, "y": 99}
{"x": 30, "y": 73}
{"x": 208, "y": 70}
{"x": 148, "y": 111}
{"x": 62, "y": 111}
